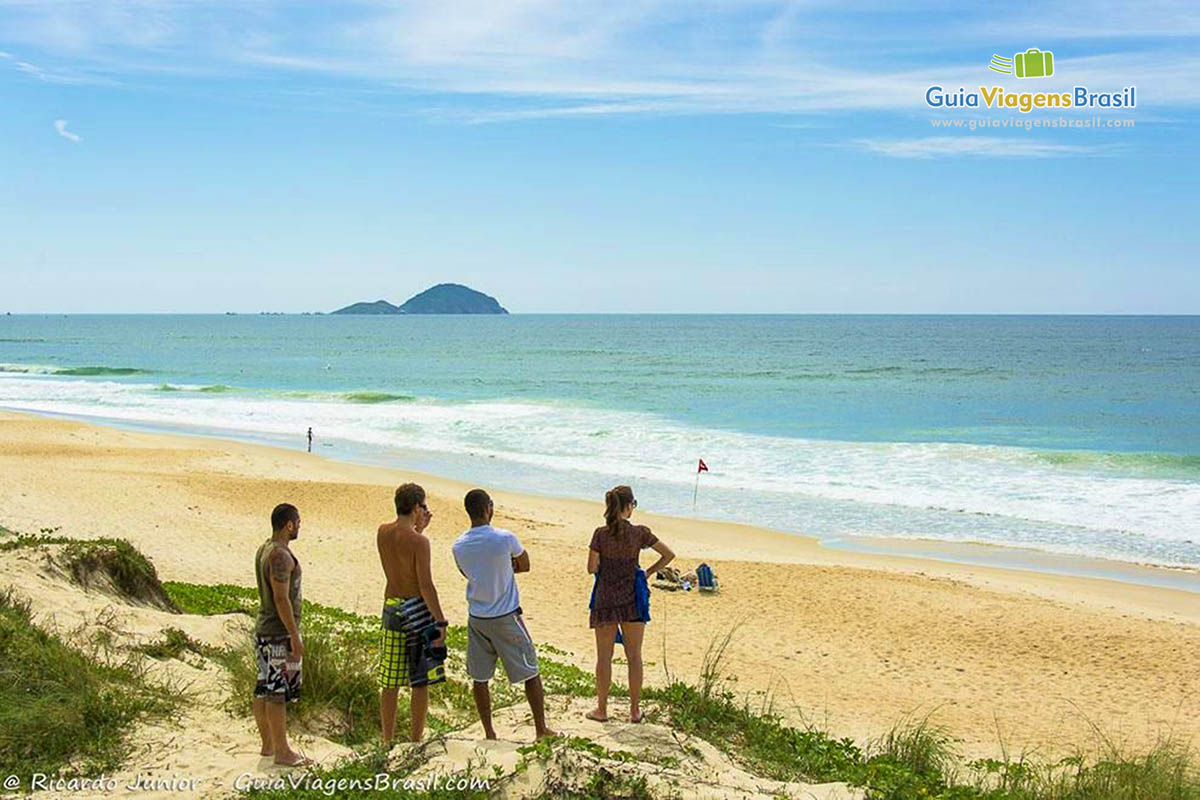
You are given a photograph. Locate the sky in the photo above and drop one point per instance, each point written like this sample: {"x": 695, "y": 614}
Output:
{"x": 647, "y": 156}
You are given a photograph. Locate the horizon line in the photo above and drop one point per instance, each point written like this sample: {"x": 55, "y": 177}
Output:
{"x": 611, "y": 313}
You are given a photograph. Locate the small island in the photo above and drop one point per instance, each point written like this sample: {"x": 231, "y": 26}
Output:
{"x": 445, "y": 298}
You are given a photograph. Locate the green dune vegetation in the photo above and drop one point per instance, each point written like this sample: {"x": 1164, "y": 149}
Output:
{"x": 341, "y": 651}
{"x": 62, "y": 707}
{"x": 68, "y": 706}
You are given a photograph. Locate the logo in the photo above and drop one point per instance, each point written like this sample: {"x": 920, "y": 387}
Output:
{"x": 1033, "y": 63}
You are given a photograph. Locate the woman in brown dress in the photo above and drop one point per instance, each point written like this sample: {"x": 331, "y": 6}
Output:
{"x": 613, "y": 559}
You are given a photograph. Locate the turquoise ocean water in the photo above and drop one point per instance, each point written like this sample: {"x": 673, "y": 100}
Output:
{"x": 1074, "y": 435}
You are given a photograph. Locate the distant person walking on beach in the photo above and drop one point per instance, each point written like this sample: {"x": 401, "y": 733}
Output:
{"x": 404, "y": 553}
{"x": 278, "y": 647}
{"x": 489, "y": 558}
{"x": 310, "y": 440}
{"x": 613, "y": 559}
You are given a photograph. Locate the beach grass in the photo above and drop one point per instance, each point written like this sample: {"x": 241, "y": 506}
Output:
{"x": 173, "y": 644}
{"x": 340, "y": 698}
{"x": 104, "y": 559}
{"x": 62, "y": 710}
{"x": 131, "y": 573}
{"x": 562, "y": 769}
{"x": 1166, "y": 772}
{"x": 915, "y": 759}
{"x": 65, "y": 709}
{"x": 560, "y": 760}
{"x": 209, "y": 599}
{"x": 16, "y": 541}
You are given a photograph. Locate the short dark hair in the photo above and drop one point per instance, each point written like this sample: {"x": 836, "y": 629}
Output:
{"x": 282, "y": 515}
{"x": 476, "y": 502}
{"x": 408, "y": 497}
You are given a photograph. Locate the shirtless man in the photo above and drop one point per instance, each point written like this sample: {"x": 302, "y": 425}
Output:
{"x": 404, "y": 553}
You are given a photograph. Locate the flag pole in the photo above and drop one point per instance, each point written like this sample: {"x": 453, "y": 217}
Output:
{"x": 700, "y": 467}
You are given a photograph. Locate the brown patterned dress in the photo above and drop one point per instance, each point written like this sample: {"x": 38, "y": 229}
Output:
{"x": 615, "y": 600}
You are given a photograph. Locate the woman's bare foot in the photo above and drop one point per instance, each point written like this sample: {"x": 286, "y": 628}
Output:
{"x": 548, "y": 734}
{"x": 292, "y": 759}
{"x": 636, "y": 717}
{"x": 266, "y": 751}
{"x": 597, "y": 715}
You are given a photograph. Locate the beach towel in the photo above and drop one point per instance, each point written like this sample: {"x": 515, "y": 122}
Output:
{"x": 641, "y": 596}
{"x": 668, "y": 574}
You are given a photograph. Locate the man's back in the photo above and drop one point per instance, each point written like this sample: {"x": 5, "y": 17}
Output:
{"x": 397, "y": 552}
{"x": 484, "y": 554}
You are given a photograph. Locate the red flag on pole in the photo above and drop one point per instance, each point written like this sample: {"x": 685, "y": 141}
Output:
{"x": 702, "y": 468}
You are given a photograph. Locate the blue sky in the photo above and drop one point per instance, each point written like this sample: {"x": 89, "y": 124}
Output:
{"x": 175, "y": 155}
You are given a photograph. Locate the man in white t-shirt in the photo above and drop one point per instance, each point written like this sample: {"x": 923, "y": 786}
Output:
{"x": 490, "y": 558}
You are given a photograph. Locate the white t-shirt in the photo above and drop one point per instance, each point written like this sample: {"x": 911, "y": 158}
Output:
{"x": 484, "y": 554}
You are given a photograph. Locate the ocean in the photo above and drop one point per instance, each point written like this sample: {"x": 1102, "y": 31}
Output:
{"x": 1063, "y": 434}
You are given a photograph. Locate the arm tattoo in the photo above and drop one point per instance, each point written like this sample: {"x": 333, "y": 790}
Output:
{"x": 281, "y": 566}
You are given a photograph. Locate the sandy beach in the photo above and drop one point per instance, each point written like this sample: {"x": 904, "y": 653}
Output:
{"x": 850, "y": 642}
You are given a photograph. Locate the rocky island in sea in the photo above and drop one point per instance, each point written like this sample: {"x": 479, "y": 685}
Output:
{"x": 445, "y": 298}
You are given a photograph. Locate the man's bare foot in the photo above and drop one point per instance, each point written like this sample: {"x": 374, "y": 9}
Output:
{"x": 636, "y": 717}
{"x": 548, "y": 734}
{"x": 292, "y": 759}
{"x": 597, "y": 715}
{"x": 266, "y": 751}
{"x": 490, "y": 735}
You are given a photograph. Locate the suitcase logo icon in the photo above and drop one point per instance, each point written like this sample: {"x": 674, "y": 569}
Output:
{"x": 1033, "y": 63}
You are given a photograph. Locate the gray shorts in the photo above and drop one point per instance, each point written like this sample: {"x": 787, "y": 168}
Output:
{"x": 505, "y": 638}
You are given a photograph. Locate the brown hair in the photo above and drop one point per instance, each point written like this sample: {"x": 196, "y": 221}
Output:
{"x": 282, "y": 515}
{"x": 408, "y": 497}
{"x": 616, "y": 500}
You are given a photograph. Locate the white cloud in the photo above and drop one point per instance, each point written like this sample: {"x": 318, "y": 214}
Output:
{"x": 986, "y": 146}
{"x": 1096, "y": 19}
{"x": 524, "y": 59}
{"x": 60, "y": 125}
{"x": 47, "y": 76}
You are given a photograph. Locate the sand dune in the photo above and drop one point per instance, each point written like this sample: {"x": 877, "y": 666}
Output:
{"x": 206, "y": 752}
{"x": 203, "y": 746}
{"x": 702, "y": 772}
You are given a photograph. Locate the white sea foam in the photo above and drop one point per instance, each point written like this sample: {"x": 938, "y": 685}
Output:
{"x": 1004, "y": 495}
{"x": 27, "y": 369}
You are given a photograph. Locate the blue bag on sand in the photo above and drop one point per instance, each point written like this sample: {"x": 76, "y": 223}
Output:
{"x": 641, "y": 595}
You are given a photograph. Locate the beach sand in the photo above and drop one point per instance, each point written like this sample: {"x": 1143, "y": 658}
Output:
{"x": 850, "y": 642}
